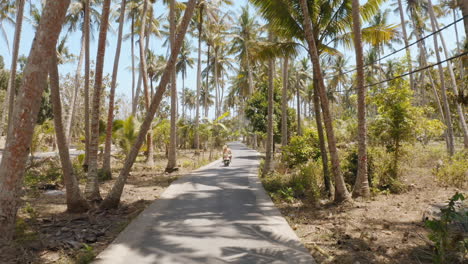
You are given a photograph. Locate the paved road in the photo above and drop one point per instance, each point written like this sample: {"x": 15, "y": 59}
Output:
{"x": 215, "y": 215}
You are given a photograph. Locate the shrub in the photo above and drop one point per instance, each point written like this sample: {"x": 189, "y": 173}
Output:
{"x": 383, "y": 172}
{"x": 350, "y": 167}
{"x": 46, "y": 174}
{"x": 301, "y": 149}
{"x": 450, "y": 246}
{"x": 454, "y": 171}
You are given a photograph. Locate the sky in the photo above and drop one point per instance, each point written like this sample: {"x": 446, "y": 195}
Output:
{"x": 124, "y": 74}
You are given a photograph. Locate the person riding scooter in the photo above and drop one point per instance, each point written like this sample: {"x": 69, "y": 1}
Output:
{"x": 227, "y": 155}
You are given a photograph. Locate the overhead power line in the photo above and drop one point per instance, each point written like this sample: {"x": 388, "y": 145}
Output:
{"x": 401, "y": 49}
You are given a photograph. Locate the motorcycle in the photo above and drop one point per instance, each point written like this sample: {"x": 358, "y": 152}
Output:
{"x": 226, "y": 160}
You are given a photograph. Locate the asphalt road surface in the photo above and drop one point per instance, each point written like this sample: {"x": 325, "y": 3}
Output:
{"x": 214, "y": 215}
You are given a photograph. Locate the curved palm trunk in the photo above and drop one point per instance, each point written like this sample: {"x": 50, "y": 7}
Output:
{"x": 298, "y": 106}
{"x": 92, "y": 185}
{"x": 144, "y": 77}
{"x": 199, "y": 81}
{"x": 269, "y": 141}
{"x": 461, "y": 114}
{"x": 323, "y": 147}
{"x": 448, "y": 119}
{"x": 106, "y": 168}
{"x": 172, "y": 155}
{"x": 71, "y": 112}
{"x": 11, "y": 90}
{"x": 341, "y": 193}
{"x": 464, "y": 10}
{"x": 284, "y": 103}
{"x": 24, "y": 115}
{"x": 361, "y": 186}
{"x": 86, "y": 84}
{"x": 207, "y": 90}
{"x": 249, "y": 72}
{"x": 132, "y": 39}
{"x": 75, "y": 201}
{"x": 113, "y": 198}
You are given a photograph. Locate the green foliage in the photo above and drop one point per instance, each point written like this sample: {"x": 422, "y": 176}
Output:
{"x": 125, "y": 133}
{"x": 43, "y": 136}
{"x": 256, "y": 111}
{"x": 161, "y": 133}
{"x": 454, "y": 171}
{"x": 48, "y": 173}
{"x": 382, "y": 172}
{"x": 24, "y": 232}
{"x": 304, "y": 183}
{"x": 85, "y": 255}
{"x": 450, "y": 245}
{"x": 301, "y": 149}
{"x": 350, "y": 167}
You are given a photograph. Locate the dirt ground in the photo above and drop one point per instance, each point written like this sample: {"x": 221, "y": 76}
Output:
{"x": 388, "y": 228}
{"x": 48, "y": 234}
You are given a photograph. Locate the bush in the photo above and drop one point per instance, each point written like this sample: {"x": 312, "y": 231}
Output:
{"x": 450, "y": 245}
{"x": 350, "y": 167}
{"x": 44, "y": 175}
{"x": 383, "y": 172}
{"x": 454, "y": 171}
{"x": 301, "y": 149}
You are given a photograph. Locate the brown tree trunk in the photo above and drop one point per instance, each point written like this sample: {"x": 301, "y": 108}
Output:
{"x": 86, "y": 83}
{"x": 71, "y": 112}
{"x": 284, "y": 103}
{"x": 323, "y": 147}
{"x": 341, "y": 193}
{"x": 172, "y": 155}
{"x": 461, "y": 113}
{"x": 207, "y": 83}
{"x": 144, "y": 76}
{"x": 113, "y": 198}
{"x": 464, "y": 9}
{"x": 75, "y": 201}
{"x": 24, "y": 115}
{"x": 361, "y": 186}
{"x": 132, "y": 34}
{"x": 106, "y": 167}
{"x": 298, "y": 106}
{"x": 405, "y": 39}
{"x": 199, "y": 81}
{"x": 11, "y": 90}
{"x": 92, "y": 184}
{"x": 269, "y": 140}
{"x": 448, "y": 118}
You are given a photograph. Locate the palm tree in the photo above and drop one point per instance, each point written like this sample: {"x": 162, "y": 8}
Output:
{"x": 183, "y": 63}
{"x": 448, "y": 119}
{"x": 75, "y": 201}
{"x": 10, "y": 96}
{"x": 6, "y": 9}
{"x": 172, "y": 151}
{"x": 341, "y": 194}
{"x": 113, "y": 198}
{"x": 106, "y": 167}
{"x": 92, "y": 185}
{"x": 270, "y": 142}
{"x": 405, "y": 39}
{"x": 25, "y": 112}
{"x": 361, "y": 187}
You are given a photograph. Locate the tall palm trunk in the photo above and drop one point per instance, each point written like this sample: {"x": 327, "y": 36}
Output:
{"x": 448, "y": 118}
{"x": 199, "y": 81}
{"x": 207, "y": 90}
{"x": 284, "y": 103}
{"x": 216, "y": 81}
{"x": 113, "y": 198}
{"x": 92, "y": 185}
{"x": 11, "y": 90}
{"x": 75, "y": 201}
{"x": 71, "y": 112}
{"x": 341, "y": 193}
{"x": 461, "y": 114}
{"x": 249, "y": 72}
{"x": 298, "y": 106}
{"x": 86, "y": 84}
{"x": 269, "y": 141}
{"x": 361, "y": 186}
{"x": 132, "y": 39}
{"x": 405, "y": 39}
{"x": 106, "y": 167}
{"x": 464, "y": 9}
{"x": 144, "y": 76}
{"x": 323, "y": 147}
{"x": 24, "y": 115}
{"x": 172, "y": 154}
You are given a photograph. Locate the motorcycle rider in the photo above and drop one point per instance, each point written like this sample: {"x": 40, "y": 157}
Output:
{"x": 227, "y": 152}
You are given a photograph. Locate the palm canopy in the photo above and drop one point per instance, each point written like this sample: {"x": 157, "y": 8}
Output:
{"x": 6, "y": 17}
{"x": 185, "y": 61}
{"x": 333, "y": 20}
